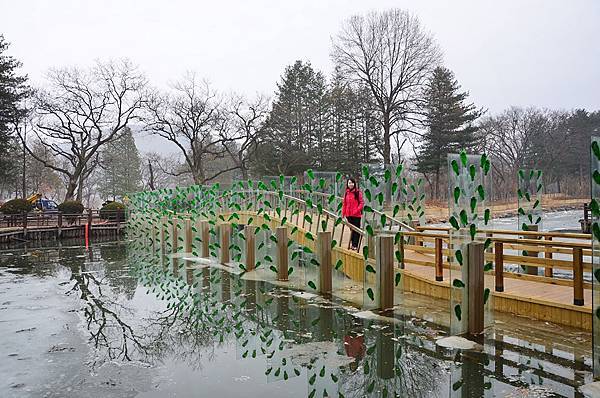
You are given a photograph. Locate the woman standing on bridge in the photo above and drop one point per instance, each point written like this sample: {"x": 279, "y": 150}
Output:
{"x": 352, "y": 207}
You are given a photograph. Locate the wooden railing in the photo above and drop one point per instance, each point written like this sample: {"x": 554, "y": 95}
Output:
{"x": 59, "y": 219}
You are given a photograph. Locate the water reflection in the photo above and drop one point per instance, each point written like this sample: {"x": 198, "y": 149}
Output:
{"x": 141, "y": 308}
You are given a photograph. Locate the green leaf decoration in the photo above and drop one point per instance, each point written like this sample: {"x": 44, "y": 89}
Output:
{"x": 397, "y": 279}
{"x": 481, "y": 192}
{"x": 387, "y": 175}
{"x": 369, "y": 268}
{"x": 373, "y": 181}
{"x": 596, "y": 231}
{"x": 399, "y": 170}
{"x": 458, "y": 312}
{"x": 472, "y": 172}
{"x": 396, "y": 210}
{"x": 367, "y": 193}
{"x": 366, "y": 252}
{"x": 272, "y": 268}
{"x": 486, "y": 295}
{"x": 458, "y": 283}
{"x": 398, "y": 255}
{"x": 524, "y": 227}
{"x": 463, "y": 158}
{"x": 464, "y": 219}
{"x": 455, "y": 167}
{"x": 454, "y": 223}
{"x": 473, "y": 204}
{"x": 311, "y": 174}
{"x": 488, "y": 266}
{"x": 312, "y": 285}
{"x": 338, "y": 176}
{"x": 383, "y": 219}
{"x": 370, "y": 294}
{"x": 338, "y": 264}
{"x": 369, "y": 230}
{"x": 487, "y": 244}
{"x": 596, "y": 177}
{"x": 459, "y": 257}
{"x": 594, "y": 208}
{"x": 522, "y": 174}
{"x": 290, "y": 270}
{"x": 473, "y": 231}
{"x": 486, "y": 216}
{"x": 456, "y": 194}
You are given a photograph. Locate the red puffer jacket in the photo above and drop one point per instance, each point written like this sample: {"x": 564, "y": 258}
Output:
{"x": 352, "y": 207}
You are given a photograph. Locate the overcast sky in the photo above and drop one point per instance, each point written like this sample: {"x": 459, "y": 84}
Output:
{"x": 544, "y": 53}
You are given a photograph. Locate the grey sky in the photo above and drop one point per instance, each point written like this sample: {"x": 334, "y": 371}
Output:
{"x": 516, "y": 52}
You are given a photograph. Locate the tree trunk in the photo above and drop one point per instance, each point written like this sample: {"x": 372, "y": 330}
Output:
{"x": 151, "y": 181}
{"x": 71, "y": 186}
{"x": 387, "y": 149}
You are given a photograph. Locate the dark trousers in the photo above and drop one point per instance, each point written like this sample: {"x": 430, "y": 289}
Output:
{"x": 355, "y": 236}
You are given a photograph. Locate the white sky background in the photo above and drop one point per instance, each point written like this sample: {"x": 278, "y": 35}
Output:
{"x": 543, "y": 53}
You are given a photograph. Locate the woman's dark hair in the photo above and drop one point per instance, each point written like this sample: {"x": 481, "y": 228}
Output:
{"x": 353, "y": 190}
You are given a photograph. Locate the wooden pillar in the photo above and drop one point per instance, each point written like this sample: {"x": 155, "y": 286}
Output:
{"x": 439, "y": 265}
{"x": 282, "y": 253}
{"x": 532, "y": 270}
{"x": 385, "y": 271}
{"x": 163, "y": 237}
{"x": 475, "y": 260}
{"x": 205, "y": 233}
{"x": 371, "y": 245}
{"x": 324, "y": 258}
{"x": 174, "y": 236}
{"x": 250, "y": 247}
{"x": 225, "y": 233}
{"x": 499, "y": 265}
{"x": 577, "y": 276}
{"x": 188, "y": 236}
{"x": 548, "y": 255}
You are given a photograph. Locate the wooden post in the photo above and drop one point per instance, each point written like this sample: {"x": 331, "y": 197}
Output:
{"x": 385, "y": 271}
{"x": 282, "y": 253}
{"x": 250, "y": 247}
{"x": 225, "y": 232}
{"x": 499, "y": 265}
{"x": 476, "y": 286}
{"x": 188, "y": 236}
{"x": 439, "y": 266}
{"x": 548, "y": 255}
{"x": 531, "y": 270}
{"x": 174, "y": 236}
{"x": 371, "y": 245}
{"x": 163, "y": 245}
{"x": 414, "y": 240}
{"x": 205, "y": 238}
{"x": 577, "y": 276}
{"x": 324, "y": 258}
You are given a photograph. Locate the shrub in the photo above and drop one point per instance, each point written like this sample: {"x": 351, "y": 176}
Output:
{"x": 16, "y": 206}
{"x": 71, "y": 207}
{"x": 113, "y": 211}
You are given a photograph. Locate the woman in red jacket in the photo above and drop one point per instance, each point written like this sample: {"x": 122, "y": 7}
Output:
{"x": 352, "y": 207}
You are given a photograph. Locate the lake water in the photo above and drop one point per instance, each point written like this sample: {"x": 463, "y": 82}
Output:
{"x": 101, "y": 322}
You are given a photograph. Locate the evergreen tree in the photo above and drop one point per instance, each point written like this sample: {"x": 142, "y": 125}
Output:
{"x": 121, "y": 167}
{"x": 449, "y": 121}
{"x": 294, "y": 128}
{"x": 13, "y": 91}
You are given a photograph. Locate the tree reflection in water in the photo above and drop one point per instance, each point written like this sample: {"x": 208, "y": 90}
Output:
{"x": 190, "y": 313}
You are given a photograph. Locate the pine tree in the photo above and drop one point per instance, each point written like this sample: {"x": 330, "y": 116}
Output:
{"x": 13, "y": 91}
{"x": 120, "y": 163}
{"x": 295, "y": 124}
{"x": 449, "y": 121}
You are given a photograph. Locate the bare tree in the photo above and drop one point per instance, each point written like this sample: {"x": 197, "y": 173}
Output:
{"x": 80, "y": 111}
{"x": 246, "y": 121}
{"x": 192, "y": 118}
{"x": 393, "y": 55}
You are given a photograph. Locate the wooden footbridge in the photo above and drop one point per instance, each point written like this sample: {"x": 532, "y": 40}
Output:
{"x": 539, "y": 275}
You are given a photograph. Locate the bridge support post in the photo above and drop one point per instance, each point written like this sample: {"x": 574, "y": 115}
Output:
{"x": 385, "y": 271}
{"x": 578, "y": 276}
{"x": 475, "y": 283}
{"x": 499, "y": 265}
{"x": 439, "y": 264}
{"x": 225, "y": 234}
{"x": 401, "y": 250}
{"x": 282, "y": 253}
{"x": 174, "y": 236}
{"x": 163, "y": 236}
{"x": 188, "y": 236}
{"x": 532, "y": 270}
{"x": 324, "y": 258}
{"x": 548, "y": 255}
{"x": 250, "y": 262}
{"x": 205, "y": 233}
